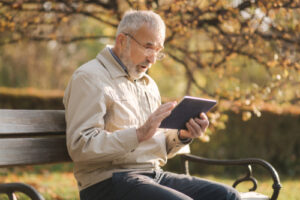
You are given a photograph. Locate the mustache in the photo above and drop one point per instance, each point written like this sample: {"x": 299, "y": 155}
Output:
{"x": 146, "y": 63}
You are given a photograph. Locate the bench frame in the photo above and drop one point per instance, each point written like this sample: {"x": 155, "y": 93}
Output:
{"x": 31, "y": 137}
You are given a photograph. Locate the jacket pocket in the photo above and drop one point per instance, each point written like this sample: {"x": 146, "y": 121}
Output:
{"x": 153, "y": 102}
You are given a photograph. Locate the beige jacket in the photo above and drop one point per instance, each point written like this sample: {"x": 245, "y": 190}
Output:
{"x": 103, "y": 109}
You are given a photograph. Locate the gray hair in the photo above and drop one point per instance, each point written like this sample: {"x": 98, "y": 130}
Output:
{"x": 133, "y": 20}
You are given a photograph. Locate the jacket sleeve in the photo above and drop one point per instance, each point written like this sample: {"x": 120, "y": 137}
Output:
{"x": 174, "y": 144}
{"x": 86, "y": 106}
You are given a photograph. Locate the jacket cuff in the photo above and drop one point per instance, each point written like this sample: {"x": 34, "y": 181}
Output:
{"x": 184, "y": 141}
{"x": 128, "y": 138}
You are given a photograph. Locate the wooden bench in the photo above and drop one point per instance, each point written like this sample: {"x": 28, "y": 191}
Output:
{"x": 31, "y": 137}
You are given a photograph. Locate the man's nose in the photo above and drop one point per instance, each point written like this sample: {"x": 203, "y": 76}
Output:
{"x": 151, "y": 58}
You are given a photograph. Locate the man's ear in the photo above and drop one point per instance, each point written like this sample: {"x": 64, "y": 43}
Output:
{"x": 121, "y": 41}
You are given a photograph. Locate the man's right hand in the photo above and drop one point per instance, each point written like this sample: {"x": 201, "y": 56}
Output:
{"x": 147, "y": 130}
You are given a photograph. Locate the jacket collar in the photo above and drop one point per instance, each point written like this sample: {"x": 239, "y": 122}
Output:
{"x": 110, "y": 63}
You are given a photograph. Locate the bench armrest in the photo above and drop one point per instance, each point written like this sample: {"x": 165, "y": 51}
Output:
{"x": 243, "y": 162}
{"x": 11, "y": 188}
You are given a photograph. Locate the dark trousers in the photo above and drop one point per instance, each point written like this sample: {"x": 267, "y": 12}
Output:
{"x": 157, "y": 185}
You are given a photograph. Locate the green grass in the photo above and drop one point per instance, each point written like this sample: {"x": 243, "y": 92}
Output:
{"x": 61, "y": 185}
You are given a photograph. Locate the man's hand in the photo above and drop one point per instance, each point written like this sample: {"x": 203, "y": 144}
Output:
{"x": 146, "y": 131}
{"x": 196, "y": 127}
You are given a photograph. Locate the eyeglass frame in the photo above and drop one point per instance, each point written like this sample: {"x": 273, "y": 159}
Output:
{"x": 148, "y": 51}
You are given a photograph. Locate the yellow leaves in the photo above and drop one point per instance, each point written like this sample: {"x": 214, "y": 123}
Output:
{"x": 278, "y": 4}
{"x": 190, "y": 21}
{"x": 280, "y": 28}
{"x": 246, "y": 115}
{"x": 190, "y": 8}
{"x": 17, "y": 5}
{"x": 231, "y": 56}
{"x": 194, "y": 24}
{"x": 212, "y": 8}
{"x": 174, "y": 8}
{"x": 221, "y": 72}
{"x": 52, "y": 36}
{"x": 256, "y": 111}
{"x": 255, "y": 108}
{"x": 217, "y": 119}
{"x": 286, "y": 62}
{"x": 65, "y": 19}
{"x": 204, "y": 138}
{"x": 8, "y": 16}
{"x": 272, "y": 63}
{"x": 180, "y": 29}
{"x": 285, "y": 73}
{"x": 37, "y": 20}
{"x": 25, "y": 24}
{"x": 220, "y": 18}
{"x": 4, "y": 25}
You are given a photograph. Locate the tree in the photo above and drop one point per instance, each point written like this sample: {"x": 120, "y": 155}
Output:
{"x": 242, "y": 52}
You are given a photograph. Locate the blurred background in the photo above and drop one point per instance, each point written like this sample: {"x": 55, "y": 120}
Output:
{"x": 243, "y": 53}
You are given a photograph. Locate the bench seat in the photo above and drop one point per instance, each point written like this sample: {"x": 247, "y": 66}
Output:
{"x": 32, "y": 137}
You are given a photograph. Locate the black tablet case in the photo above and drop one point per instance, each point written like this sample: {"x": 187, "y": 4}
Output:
{"x": 189, "y": 107}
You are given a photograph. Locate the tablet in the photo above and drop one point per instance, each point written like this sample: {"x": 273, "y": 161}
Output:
{"x": 189, "y": 107}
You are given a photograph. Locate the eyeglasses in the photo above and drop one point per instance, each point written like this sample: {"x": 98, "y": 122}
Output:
{"x": 148, "y": 51}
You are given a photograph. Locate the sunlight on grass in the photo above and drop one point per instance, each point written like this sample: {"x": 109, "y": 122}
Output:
{"x": 53, "y": 186}
{"x": 289, "y": 191}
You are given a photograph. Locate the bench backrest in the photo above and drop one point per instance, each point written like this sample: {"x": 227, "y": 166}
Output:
{"x": 32, "y": 137}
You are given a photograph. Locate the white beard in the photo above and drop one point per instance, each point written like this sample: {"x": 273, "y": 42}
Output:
{"x": 133, "y": 70}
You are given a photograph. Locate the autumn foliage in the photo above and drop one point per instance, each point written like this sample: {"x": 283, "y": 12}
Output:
{"x": 244, "y": 53}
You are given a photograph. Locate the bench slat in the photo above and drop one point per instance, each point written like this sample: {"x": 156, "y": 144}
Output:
{"x": 27, "y": 151}
{"x": 30, "y": 122}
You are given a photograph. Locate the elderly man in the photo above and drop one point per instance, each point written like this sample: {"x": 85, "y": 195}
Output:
{"x": 113, "y": 114}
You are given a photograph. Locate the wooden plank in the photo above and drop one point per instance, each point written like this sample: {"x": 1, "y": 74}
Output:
{"x": 28, "y": 122}
{"x": 28, "y": 151}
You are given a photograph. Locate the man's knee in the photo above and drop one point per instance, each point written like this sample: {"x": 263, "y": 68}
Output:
{"x": 225, "y": 192}
{"x": 232, "y": 194}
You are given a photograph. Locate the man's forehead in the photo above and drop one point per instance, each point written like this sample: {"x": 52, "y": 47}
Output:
{"x": 159, "y": 43}
{"x": 150, "y": 37}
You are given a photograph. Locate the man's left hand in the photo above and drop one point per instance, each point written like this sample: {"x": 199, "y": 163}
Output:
{"x": 195, "y": 127}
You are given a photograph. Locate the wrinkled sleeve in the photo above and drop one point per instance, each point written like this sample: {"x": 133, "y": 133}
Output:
{"x": 86, "y": 105}
{"x": 174, "y": 144}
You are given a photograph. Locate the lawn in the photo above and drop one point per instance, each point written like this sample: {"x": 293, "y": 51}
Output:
{"x": 59, "y": 184}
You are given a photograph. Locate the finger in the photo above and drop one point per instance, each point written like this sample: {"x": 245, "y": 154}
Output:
{"x": 156, "y": 119}
{"x": 161, "y": 116}
{"x": 165, "y": 107}
{"x": 163, "y": 111}
{"x": 203, "y": 116}
{"x": 203, "y": 123}
{"x": 196, "y": 127}
{"x": 169, "y": 104}
{"x": 192, "y": 128}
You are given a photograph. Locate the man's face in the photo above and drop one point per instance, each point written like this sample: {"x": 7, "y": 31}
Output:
{"x": 141, "y": 50}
